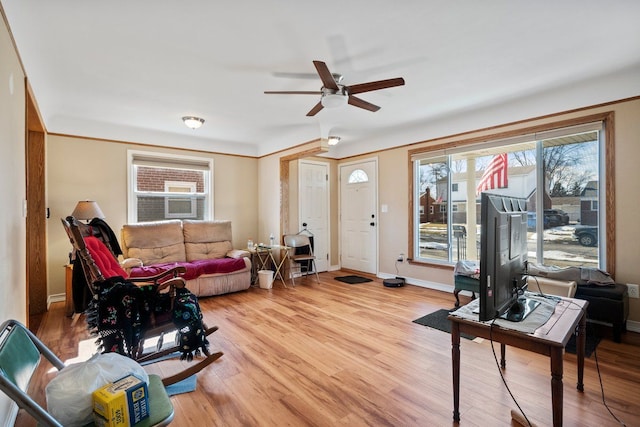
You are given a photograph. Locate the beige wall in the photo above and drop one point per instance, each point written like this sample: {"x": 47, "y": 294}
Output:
{"x": 87, "y": 169}
{"x": 13, "y": 236}
{"x": 12, "y": 185}
{"x": 270, "y": 195}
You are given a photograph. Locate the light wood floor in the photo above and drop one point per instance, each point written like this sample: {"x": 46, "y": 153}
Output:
{"x": 339, "y": 354}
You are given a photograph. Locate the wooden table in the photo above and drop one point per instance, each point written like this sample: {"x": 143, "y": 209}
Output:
{"x": 267, "y": 260}
{"x": 550, "y": 340}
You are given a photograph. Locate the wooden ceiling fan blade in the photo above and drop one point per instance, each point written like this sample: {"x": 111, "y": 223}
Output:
{"x": 292, "y": 92}
{"x": 377, "y": 85}
{"x": 325, "y": 75}
{"x": 315, "y": 110}
{"x": 361, "y": 103}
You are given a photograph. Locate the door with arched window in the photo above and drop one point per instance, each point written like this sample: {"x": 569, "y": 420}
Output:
{"x": 359, "y": 216}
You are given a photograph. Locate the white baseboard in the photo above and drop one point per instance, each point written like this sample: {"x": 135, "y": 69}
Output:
{"x": 55, "y": 298}
{"x": 633, "y": 326}
{"x": 422, "y": 283}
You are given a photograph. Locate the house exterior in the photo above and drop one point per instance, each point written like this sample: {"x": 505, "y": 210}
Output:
{"x": 589, "y": 204}
{"x": 521, "y": 180}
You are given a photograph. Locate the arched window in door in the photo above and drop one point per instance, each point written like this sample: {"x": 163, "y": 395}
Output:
{"x": 357, "y": 176}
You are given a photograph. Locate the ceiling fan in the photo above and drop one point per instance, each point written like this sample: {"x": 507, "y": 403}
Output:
{"x": 334, "y": 94}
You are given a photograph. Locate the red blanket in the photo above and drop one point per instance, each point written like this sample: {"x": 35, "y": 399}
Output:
{"x": 194, "y": 268}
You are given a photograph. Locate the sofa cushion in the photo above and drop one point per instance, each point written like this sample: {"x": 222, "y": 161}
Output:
{"x": 206, "y": 239}
{"x": 154, "y": 242}
{"x": 104, "y": 259}
{"x": 196, "y": 251}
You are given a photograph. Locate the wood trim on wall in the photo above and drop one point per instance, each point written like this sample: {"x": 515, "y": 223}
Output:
{"x": 36, "y": 221}
{"x": 284, "y": 180}
{"x": 610, "y": 188}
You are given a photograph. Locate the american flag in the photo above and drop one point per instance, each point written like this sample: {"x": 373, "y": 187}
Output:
{"x": 495, "y": 175}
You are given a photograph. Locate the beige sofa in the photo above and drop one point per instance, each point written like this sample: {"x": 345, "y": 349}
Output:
{"x": 203, "y": 247}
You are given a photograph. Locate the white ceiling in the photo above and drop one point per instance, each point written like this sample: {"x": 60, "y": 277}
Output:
{"x": 129, "y": 70}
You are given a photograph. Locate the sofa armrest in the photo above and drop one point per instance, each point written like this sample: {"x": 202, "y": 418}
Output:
{"x": 238, "y": 253}
{"x": 543, "y": 285}
{"x": 130, "y": 263}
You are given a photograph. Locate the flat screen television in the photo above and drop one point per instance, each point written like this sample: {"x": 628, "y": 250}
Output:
{"x": 503, "y": 258}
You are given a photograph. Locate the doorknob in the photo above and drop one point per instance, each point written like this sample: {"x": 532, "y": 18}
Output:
{"x": 372, "y": 224}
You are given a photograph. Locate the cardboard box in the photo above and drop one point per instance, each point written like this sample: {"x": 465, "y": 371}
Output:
{"x": 121, "y": 403}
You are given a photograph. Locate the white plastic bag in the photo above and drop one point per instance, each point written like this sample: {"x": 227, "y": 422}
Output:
{"x": 69, "y": 393}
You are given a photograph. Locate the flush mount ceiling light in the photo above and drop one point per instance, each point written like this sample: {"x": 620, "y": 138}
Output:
{"x": 193, "y": 122}
{"x": 333, "y": 140}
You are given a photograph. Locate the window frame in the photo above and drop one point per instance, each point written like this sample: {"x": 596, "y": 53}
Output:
{"x": 160, "y": 159}
{"x": 193, "y": 212}
{"x": 606, "y": 212}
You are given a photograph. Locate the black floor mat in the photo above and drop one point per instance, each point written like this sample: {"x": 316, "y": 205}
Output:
{"x": 353, "y": 280}
{"x": 438, "y": 320}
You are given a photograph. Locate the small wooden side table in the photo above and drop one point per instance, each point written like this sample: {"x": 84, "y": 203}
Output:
{"x": 549, "y": 340}
{"x": 268, "y": 261}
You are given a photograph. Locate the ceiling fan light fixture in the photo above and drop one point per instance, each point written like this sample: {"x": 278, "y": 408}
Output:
{"x": 333, "y": 140}
{"x": 334, "y": 100}
{"x": 193, "y": 122}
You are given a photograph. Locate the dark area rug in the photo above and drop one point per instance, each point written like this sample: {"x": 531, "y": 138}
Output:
{"x": 353, "y": 280}
{"x": 438, "y": 320}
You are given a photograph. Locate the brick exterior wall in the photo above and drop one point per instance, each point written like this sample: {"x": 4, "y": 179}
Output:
{"x": 153, "y": 179}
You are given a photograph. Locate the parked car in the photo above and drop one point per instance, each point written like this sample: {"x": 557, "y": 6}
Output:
{"x": 531, "y": 221}
{"x": 552, "y": 218}
{"x": 557, "y": 216}
{"x": 587, "y": 235}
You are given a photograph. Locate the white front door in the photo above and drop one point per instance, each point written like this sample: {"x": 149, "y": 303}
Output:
{"x": 314, "y": 207}
{"x": 359, "y": 216}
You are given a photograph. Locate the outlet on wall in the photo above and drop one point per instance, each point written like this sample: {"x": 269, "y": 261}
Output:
{"x": 400, "y": 258}
{"x": 633, "y": 290}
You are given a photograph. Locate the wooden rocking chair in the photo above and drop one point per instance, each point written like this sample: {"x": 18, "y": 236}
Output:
{"x": 100, "y": 266}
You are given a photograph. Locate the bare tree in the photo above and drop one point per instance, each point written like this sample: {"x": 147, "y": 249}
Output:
{"x": 566, "y": 166}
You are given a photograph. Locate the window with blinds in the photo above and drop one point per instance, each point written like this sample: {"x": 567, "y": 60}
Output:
{"x": 165, "y": 186}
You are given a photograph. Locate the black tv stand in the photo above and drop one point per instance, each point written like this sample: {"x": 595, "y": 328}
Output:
{"x": 520, "y": 309}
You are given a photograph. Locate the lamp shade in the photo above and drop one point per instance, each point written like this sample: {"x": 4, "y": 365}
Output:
{"x": 87, "y": 210}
